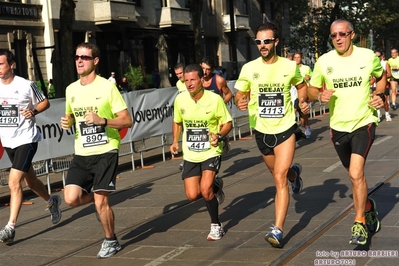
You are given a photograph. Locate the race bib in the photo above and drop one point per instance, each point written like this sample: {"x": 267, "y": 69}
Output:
{"x": 92, "y": 135}
{"x": 271, "y": 105}
{"x": 197, "y": 139}
{"x": 9, "y": 116}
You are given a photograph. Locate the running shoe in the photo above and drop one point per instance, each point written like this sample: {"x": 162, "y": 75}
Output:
{"x": 216, "y": 232}
{"x": 274, "y": 237}
{"x": 297, "y": 184}
{"x": 109, "y": 248}
{"x": 388, "y": 118}
{"x": 219, "y": 194}
{"x": 218, "y": 182}
{"x": 393, "y": 106}
{"x": 372, "y": 222}
{"x": 54, "y": 209}
{"x": 308, "y": 132}
{"x": 7, "y": 234}
{"x": 359, "y": 234}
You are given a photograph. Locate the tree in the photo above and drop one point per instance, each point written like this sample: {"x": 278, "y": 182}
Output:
{"x": 196, "y": 12}
{"x": 63, "y": 57}
{"x": 311, "y": 25}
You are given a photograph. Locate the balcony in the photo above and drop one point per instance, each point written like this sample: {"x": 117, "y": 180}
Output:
{"x": 106, "y": 12}
{"x": 172, "y": 16}
{"x": 241, "y": 22}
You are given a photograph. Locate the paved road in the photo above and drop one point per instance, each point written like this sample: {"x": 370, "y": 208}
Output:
{"x": 157, "y": 225}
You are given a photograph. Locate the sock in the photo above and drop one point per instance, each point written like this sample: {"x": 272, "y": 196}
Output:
{"x": 111, "y": 238}
{"x": 379, "y": 113}
{"x": 368, "y": 205}
{"x": 213, "y": 209}
{"x": 50, "y": 201}
{"x": 387, "y": 114}
{"x": 12, "y": 225}
{"x": 361, "y": 220}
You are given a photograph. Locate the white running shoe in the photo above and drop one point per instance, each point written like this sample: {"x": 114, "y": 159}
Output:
{"x": 308, "y": 132}
{"x": 216, "y": 232}
{"x": 388, "y": 118}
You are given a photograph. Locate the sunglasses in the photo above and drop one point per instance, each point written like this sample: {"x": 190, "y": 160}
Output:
{"x": 265, "y": 41}
{"x": 341, "y": 34}
{"x": 83, "y": 57}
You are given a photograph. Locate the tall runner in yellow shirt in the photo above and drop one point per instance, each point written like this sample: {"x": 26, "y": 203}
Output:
{"x": 263, "y": 88}
{"x": 204, "y": 120}
{"x": 346, "y": 71}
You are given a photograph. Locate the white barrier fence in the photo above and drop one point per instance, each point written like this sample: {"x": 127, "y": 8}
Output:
{"x": 152, "y": 114}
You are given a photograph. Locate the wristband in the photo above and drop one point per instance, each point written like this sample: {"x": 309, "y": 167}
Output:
{"x": 35, "y": 112}
{"x": 106, "y": 122}
{"x": 220, "y": 137}
{"x": 382, "y": 96}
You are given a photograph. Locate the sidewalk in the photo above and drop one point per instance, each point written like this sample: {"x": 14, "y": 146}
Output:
{"x": 157, "y": 225}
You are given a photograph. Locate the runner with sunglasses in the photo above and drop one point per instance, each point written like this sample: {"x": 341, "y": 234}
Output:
{"x": 97, "y": 109}
{"x": 346, "y": 71}
{"x": 263, "y": 88}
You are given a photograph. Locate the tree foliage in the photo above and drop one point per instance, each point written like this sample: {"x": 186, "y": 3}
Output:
{"x": 65, "y": 73}
{"x": 196, "y": 11}
{"x": 310, "y": 26}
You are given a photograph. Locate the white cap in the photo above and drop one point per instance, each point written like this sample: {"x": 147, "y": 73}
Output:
{"x": 112, "y": 73}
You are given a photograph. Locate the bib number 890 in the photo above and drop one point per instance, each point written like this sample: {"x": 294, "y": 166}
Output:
{"x": 94, "y": 138}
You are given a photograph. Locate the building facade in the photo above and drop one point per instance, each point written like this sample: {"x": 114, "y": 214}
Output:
{"x": 135, "y": 31}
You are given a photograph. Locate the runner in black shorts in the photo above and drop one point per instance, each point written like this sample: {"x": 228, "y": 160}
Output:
{"x": 21, "y": 100}
{"x": 92, "y": 173}
{"x": 204, "y": 120}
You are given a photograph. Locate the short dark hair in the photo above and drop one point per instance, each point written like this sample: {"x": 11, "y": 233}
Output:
{"x": 209, "y": 61}
{"x": 95, "y": 51}
{"x": 194, "y": 68}
{"x": 268, "y": 26}
{"x": 298, "y": 52}
{"x": 179, "y": 65}
{"x": 9, "y": 55}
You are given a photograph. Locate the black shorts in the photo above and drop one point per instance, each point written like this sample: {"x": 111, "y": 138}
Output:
{"x": 358, "y": 142}
{"x": 267, "y": 142}
{"x": 94, "y": 171}
{"x": 21, "y": 157}
{"x": 191, "y": 169}
{"x": 393, "y": 79}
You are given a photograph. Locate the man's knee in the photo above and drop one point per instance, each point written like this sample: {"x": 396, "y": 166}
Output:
{"x": 72, "y": 196}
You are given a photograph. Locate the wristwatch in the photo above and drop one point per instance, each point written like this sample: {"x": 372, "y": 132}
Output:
{"x": 220, "y": 137}
{"x": 35, "y": 112}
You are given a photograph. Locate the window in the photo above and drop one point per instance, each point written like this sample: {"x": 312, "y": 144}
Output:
{"x": 245, "y": 8}
{"x": 164, "y": 3}
{"x": 211, "y": 7}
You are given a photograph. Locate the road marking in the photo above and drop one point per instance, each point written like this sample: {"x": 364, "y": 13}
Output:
{"x": 382, "y": 140}
{"x": 332, "y": 167}
{"x": 168, "y": 256}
